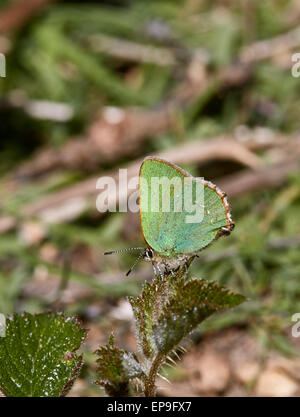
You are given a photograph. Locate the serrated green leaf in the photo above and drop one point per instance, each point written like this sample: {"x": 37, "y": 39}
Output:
{"x": 115, "y": 368}
{"x": 37, "y": 355}
{"x": 193, "y": 302}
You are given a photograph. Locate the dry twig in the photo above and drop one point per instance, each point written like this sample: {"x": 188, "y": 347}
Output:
{"x": 17, "y": 14}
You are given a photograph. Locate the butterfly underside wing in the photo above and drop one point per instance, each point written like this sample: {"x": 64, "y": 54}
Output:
{"x": 167, "y": 232}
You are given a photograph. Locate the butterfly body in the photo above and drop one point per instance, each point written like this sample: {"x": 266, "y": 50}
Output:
{"x": 164, "y": 262}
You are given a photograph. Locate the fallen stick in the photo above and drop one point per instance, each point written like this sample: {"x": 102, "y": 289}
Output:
{"x": 192, "y": 152}
{"x": 68, "y": 204}
{"x": 250, "y": 181}
{"x": 17, "y": 14}
{"x": 115, "y": 134}
{"x": 269, "y": 48}
{"x": 132, "y": 51}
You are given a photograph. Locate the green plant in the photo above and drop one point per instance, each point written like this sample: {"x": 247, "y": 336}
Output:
{"x": 38, "y": 355}
{"x": 38, "y": 352}
{"x": 167, "y": 310}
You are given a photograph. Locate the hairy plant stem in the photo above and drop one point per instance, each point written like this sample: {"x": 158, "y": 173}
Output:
{"x": 149, "y": 381}
{"x": 160, "y": 301}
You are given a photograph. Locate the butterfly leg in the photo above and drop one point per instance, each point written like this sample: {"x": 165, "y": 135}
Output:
{"x": 157, "y": 270}
{"x": 154, "y": 268}
{"x": 160, "y": 271}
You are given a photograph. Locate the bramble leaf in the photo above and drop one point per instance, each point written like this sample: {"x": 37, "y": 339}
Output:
{"x": 168, "y": 310}
{"x": 38, "y": 355}
{"x": 192, "y": 303}
{"x": 172, "y": 306}
{"x": 115, "y": 368}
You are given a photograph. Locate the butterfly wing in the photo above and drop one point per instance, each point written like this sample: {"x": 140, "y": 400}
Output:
{"x": 167, "y": 232}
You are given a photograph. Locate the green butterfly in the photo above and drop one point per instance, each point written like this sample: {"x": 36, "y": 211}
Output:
{"x": 171, "y": 239}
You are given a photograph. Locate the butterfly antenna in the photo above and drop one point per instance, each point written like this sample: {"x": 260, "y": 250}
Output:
{"x": 136, "y": 261}
{"x": 121, "y": 250}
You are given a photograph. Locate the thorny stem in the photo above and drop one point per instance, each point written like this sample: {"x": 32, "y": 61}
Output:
{"x": 149, "y": 381}
{"x": 161, "y": 299}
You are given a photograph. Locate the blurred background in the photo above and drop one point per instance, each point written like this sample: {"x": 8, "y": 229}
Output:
{"x": 94, "y": 86}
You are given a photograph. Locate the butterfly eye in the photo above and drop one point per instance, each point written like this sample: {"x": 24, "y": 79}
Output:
{"x": 149, "y": 253}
